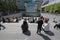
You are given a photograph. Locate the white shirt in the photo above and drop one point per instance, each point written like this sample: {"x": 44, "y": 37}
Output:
{"x": 14, "y": 20}
{"x": 46, "y": 26}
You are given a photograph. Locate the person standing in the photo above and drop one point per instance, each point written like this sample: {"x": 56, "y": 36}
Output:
{"x": 17, "y": 19}
{"x": 8, "y": 20}
{"x": 24, "y": 26}
{"x": 3, "y": 20}
{"x": 2, "y": 26}
{"x": 39, "y": 22}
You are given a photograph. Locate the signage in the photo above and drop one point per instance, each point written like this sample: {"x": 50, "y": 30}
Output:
{"x": 31, "y": 9}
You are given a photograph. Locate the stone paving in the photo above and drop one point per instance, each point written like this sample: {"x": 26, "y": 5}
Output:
{"x": 13, "y": 31}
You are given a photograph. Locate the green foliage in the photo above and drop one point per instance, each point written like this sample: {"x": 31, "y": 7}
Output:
{"x": 47, "y": 8}
{"x": 8, "y": 6}
{"x": 57, "y": 6}
{"x": 53, "y": 7}
{"x": 12, "y": 6}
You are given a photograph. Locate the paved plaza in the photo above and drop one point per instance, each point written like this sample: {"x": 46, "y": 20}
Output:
{"x": 13, "y": 31}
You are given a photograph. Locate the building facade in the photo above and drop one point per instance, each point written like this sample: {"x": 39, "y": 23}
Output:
{"x": 21, "y": 3}
{"x": 52, "y": 6}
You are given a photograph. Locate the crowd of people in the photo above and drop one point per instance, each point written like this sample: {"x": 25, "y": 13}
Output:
{"x": 9, "y": 20}
{"x": 42, "y": 25}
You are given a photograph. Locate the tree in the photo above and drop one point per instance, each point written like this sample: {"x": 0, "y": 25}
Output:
{"x": 7, "y": 6}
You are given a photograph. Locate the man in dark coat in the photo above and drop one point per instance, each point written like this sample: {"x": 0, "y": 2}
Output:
{"x": 40, "y": 22}
{"x": 3, "y": 20}
{"x": 2, "y": 27}
{"x": 24, "y": 26}
{"x": 17, "y": 19}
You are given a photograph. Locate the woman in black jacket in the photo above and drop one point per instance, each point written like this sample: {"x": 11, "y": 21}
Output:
{"x": 24, "y": 26}
{"x": 39, "y": 22}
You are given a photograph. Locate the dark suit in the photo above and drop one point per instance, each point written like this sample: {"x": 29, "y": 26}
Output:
{"x": 40, "y": 22}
